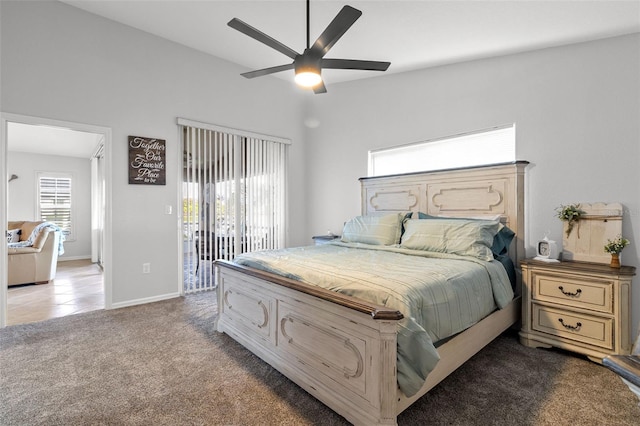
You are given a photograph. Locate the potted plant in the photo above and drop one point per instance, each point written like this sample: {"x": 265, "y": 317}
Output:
{"x": 614, "y": 248}
{"x": 571, "y": 214}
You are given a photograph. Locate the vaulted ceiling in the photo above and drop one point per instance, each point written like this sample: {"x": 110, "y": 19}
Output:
{"x": 410, "y": 34}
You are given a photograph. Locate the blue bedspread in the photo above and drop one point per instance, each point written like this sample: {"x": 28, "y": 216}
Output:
{"x": 438, "y": 294}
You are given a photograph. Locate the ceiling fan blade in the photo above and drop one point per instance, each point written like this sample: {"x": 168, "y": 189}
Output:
{"x": 266, "y": 71}
{"x": 354, "y": 64}
{"x": 320, "y": 88}
{"x": 261, "y": 37}
{"x": 340, "y": 24}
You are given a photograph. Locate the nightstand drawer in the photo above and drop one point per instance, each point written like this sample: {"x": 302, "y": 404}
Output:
{"x": 596, "y": 295}
{"x": 571, "y": 325}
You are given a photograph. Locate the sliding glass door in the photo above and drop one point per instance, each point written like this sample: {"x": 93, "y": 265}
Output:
{"x": 234, "y": 197}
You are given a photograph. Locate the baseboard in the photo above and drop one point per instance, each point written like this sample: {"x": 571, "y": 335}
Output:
{"x": 144, "y": 300}
{"x": 66, "y": 259}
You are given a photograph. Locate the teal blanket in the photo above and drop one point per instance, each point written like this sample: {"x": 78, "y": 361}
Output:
{"x": 438, "y": 294}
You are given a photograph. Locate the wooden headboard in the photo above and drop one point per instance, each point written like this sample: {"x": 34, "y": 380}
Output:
{"x": 478, "y": 192}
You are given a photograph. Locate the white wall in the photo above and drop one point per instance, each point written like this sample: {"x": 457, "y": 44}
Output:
{"x": 61, "y": 63}
{"x": 577, "y": 115}
{"x": 23, "y": 194}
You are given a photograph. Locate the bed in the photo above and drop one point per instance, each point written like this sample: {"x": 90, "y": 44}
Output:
{"x": 344, "y": 350}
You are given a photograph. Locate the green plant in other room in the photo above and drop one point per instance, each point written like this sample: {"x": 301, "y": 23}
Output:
{"x": 570, "y": 213}
{"x": 617, "y": 245}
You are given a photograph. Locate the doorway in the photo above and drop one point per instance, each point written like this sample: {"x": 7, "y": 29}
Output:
{"x": 94, "y": 147}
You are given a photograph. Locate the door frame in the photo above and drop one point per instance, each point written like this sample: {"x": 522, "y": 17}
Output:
{"x": 6, "y": 118}
{"x": 97, "y": 204}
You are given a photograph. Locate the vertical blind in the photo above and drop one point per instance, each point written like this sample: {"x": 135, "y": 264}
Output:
{"x": 234, "y": 198}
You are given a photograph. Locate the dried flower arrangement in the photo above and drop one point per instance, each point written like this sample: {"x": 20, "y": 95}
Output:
{"x": 570, "y": 213}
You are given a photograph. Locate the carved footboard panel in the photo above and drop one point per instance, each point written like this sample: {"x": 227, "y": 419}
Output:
{"x": 344, "y": 357}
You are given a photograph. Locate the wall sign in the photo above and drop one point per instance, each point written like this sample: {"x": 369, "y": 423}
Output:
{"x": 147, "y": 161}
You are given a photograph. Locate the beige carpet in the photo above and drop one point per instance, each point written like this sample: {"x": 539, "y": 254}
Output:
{"x": 163, "y": 364}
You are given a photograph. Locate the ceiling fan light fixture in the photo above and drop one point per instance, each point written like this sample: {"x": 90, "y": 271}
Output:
{"x": 311, "y": 62}
{"x": 308, "y": 77}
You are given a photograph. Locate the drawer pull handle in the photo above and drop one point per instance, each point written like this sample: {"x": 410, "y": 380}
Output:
{"x": 568, "y": 293}
{"x": 570, "y": 327}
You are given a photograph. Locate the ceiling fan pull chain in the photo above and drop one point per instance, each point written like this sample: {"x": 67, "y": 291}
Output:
{"x": 308, "y": 36}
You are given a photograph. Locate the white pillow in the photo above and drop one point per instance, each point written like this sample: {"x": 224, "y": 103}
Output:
{"x": 13, "y": 235}
{"x": 455, "y": 236}
{"x": 376, "y": 230}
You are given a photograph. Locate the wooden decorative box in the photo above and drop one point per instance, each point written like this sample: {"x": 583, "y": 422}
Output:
{"x": 599, "y": 223}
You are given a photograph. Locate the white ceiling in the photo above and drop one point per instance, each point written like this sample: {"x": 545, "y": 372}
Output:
{"x": 410, "y": 34}
{"x": 50, "y": 140}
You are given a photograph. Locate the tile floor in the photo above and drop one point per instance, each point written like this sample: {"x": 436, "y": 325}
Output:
{"x": 78, "y": 287}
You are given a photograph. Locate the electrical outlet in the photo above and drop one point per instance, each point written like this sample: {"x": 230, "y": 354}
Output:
{"x": 146, "y": 268}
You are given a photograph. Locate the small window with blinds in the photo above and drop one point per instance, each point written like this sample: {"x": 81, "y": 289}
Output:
{"x": 493, "y": 146}
{"x": 55, "y": 201}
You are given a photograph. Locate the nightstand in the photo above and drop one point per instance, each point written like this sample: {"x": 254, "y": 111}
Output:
{"x": 578, "y": 306}
{"x": 323, "y": 239}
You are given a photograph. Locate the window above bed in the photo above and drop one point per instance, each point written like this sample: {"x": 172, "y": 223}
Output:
{"x": 492, "y": 146}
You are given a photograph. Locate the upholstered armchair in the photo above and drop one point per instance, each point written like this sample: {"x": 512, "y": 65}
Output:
{"x": 36, "y": 262}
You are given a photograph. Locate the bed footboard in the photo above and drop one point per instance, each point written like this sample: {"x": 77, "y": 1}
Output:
{"x": 339, "y": 349}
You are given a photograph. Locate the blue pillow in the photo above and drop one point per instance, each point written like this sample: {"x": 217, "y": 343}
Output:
{"x": 508, "y": 266}
{"x": 501, "y": 241}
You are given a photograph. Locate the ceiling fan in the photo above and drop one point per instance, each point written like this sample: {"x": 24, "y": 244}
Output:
{"x": 309, "y": 64}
